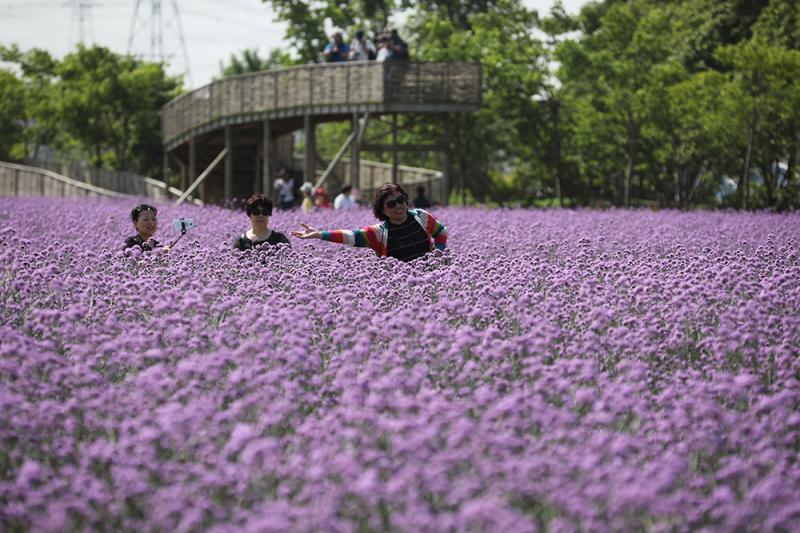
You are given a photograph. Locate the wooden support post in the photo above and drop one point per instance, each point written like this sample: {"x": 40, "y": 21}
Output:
{"x": 228, "y": 188}
{"x": 164, "y": 166}
{"x": 394, "y": 147}
{"x": 446, "y": 177}
{"x": 257, "y": 171}
{"x": 309, "y": 163}
{"x": 355, "y": 157}
{"x": 183, "y": 175}
{"x": 186, "y": 180}
{"x": 266, "y": 170}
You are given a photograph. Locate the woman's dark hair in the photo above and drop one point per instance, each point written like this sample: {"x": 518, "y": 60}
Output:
{"x": 381, "y": 195}
{"x": 258, "y": 200}
{"x": 136, "y": 211}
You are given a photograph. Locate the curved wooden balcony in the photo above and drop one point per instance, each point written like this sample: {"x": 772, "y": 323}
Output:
{"x": 334, "y": 89}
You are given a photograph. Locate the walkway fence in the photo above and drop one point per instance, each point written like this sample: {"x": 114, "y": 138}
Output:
{"x": 77, "y": 180}
{"x": 22, "y": 180}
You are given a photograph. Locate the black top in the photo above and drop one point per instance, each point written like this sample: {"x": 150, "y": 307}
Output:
{"x": 407, "y": 241}
{"x": 276, "y": 237}
{"x": 136, "y": 240}
{"x": 421, "y": 202}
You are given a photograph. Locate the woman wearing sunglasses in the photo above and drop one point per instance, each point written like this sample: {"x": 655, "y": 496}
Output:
{"x": 404, "y": 233}
{"x": 259, "y": 208}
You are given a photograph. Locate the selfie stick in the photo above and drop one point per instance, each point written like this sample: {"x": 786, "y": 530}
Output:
{"x": 183, "y": 232}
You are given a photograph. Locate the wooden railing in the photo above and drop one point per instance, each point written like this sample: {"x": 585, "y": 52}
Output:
{"x": 334, "y": 88}
{"x": 114, "y": 180}
{"x": 21, "y": 180}
{"x": 75, "y": 179}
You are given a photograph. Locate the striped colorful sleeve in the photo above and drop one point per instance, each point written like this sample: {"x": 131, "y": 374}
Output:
{"x": 360, "y": 238}
{"x": 438, "y": 232}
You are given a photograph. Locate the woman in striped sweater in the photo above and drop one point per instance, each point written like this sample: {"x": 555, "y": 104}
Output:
{"x": 403, "y": 233}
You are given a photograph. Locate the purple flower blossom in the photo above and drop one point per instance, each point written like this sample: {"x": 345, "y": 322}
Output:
{"x": 579, "y": 370}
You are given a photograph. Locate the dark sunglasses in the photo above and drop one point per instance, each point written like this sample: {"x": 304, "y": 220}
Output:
{"x": 391, "y": 204}
{"x": 258, "y": 211}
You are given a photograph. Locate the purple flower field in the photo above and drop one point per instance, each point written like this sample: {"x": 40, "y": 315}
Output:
{"x": 553, "y": 371}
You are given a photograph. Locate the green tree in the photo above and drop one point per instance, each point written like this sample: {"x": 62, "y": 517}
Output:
{"x": 146, "y": 88}
{"x": 761, "y": 97}
{"x": 12, "y": 115}
{"x": 710, "y": 24}
{"x": 779, "y": 24}
{"x": 248, "y": 60}
{"x": 614, "y": 80}
{"x": 458, "y": 12}
{"x": 505, "y": 133}
{"x": 36, "y": 110}
{"x": 110, "y": 103}
{"x": 91, "y": 98}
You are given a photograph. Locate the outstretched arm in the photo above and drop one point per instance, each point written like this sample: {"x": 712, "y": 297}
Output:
{"x": 307, "y": 233}
{"x": 361, "y": 238}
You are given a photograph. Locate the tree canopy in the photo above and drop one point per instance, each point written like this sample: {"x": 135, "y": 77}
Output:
{"x": 93, "y": 104}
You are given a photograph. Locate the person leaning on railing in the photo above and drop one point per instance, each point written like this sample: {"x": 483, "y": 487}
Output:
{"x": 336, "y": 50}
{"x": 398, "y": 47}
{"x": 403, "y": 233}
{"x": 362, "y": 49}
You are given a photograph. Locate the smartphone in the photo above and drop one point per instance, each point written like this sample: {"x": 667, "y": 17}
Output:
{"x": 183, "y": 224}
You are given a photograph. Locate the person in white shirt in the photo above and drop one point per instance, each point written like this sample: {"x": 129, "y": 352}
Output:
{"x": 344, "y": 200}
{"x": 362, "y": 49}
{"x": 384, "y": 52}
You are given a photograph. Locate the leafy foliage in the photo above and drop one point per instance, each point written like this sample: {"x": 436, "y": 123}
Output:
{"x": 92, "y": 104}
{"x": 249, "y": 60}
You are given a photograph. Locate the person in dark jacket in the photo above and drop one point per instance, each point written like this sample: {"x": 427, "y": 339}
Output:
{"x": 421, "y": 201}
{"x": 259, "y": 208}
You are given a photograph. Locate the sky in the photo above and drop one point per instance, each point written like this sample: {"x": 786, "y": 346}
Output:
{"x": 212, "y": 29}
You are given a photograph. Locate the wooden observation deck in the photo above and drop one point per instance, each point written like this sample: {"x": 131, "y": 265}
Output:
{"x": 247, "y": 120}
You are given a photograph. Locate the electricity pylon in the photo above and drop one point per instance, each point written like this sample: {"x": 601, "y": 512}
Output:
{"x": 155, "y": 23}
{"x": 82, "y": 11}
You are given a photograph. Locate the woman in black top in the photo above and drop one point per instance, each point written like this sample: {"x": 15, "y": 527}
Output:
{"x": 145, "y": 222}
{"x": 259, "y": 208}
